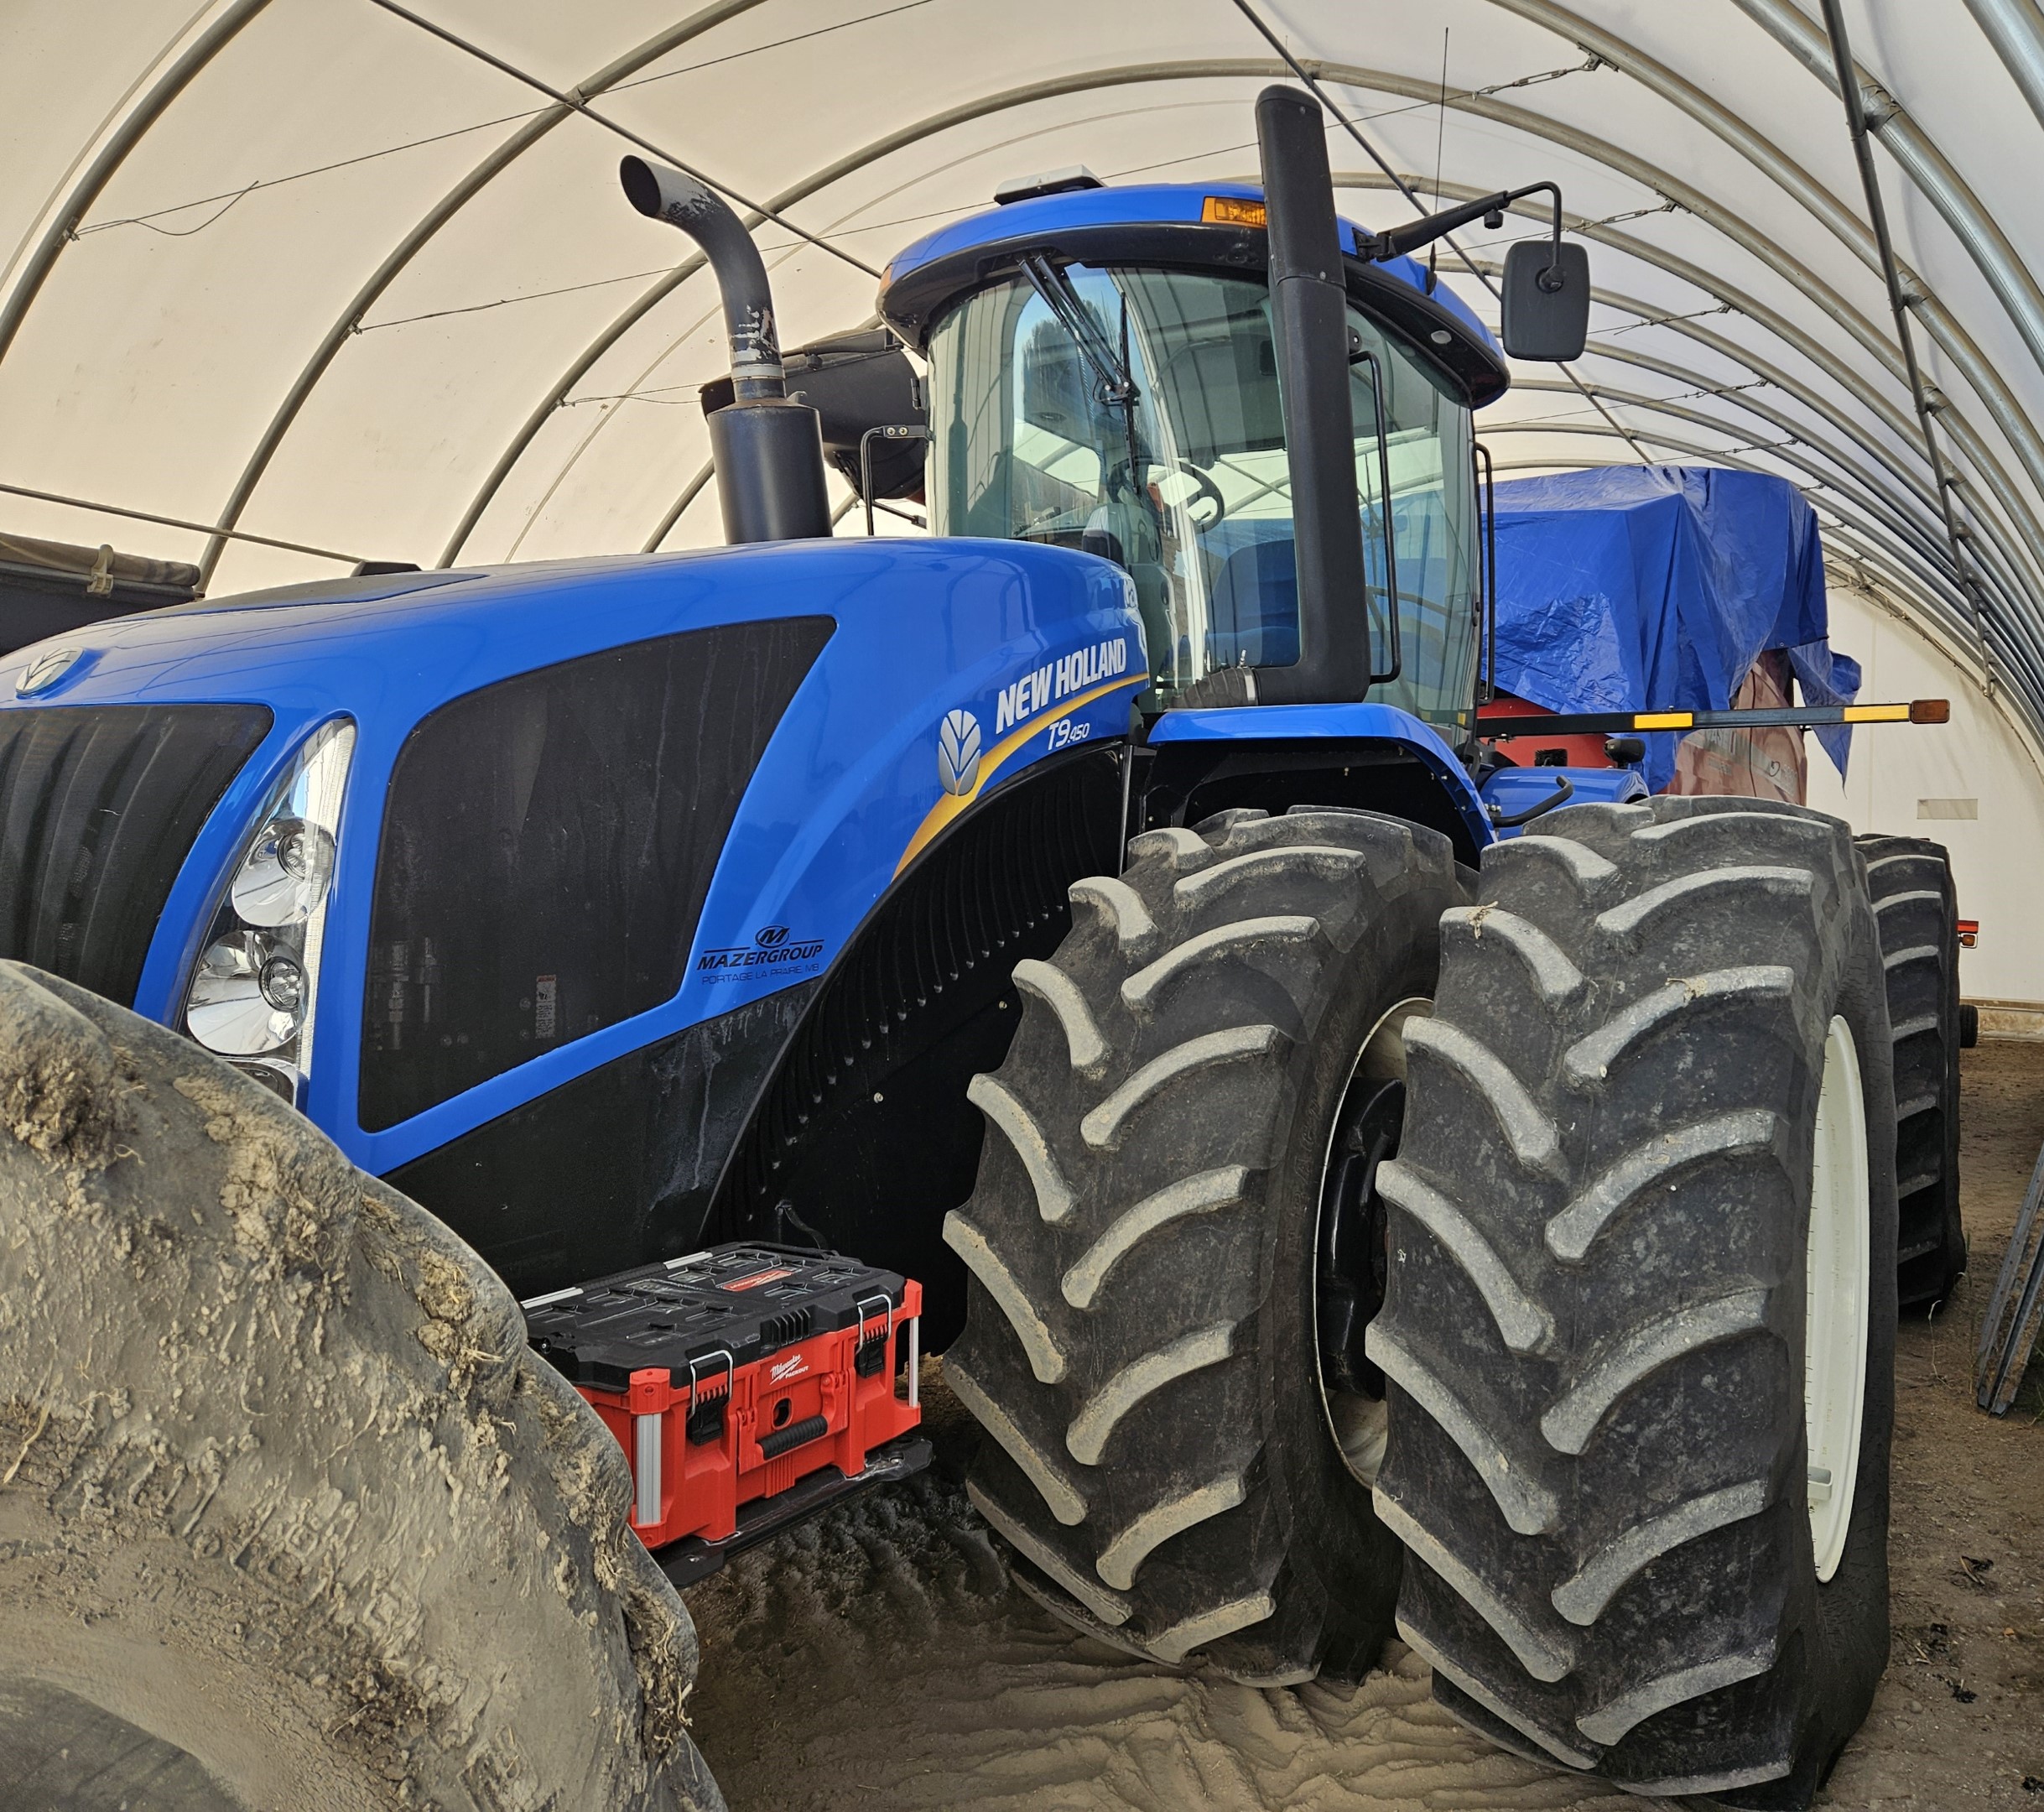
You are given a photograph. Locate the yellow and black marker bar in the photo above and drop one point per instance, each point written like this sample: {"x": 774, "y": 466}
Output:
{"x": 1923, "y": 710}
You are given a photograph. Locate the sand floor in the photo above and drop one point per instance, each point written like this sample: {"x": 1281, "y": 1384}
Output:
{"x": 880, "y": 1657}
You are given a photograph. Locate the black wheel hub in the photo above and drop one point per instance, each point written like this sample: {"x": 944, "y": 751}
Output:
{"x": 1353, "y": 1256}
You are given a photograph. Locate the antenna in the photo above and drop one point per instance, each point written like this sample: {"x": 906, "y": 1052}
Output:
{"x": 1440, "y": 141}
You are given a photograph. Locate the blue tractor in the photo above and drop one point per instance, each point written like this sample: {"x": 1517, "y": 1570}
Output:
{"x": 1343, "y": 1215}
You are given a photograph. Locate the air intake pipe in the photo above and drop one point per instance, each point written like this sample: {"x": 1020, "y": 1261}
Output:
{"x": 769, "y": 452}
{"x": 1309, "y": 313}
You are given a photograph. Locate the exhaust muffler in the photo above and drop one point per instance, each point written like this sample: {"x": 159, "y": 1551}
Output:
{"x": 768, "y": 451}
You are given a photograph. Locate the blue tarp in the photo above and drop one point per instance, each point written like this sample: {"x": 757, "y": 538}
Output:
{"x": 1656, "y": 588}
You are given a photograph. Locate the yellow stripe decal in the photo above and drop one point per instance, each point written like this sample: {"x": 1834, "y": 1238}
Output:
{"x": 1877, "y": 714}
{"x": 1666, "y": 720}
{"x": 952, "y": 804}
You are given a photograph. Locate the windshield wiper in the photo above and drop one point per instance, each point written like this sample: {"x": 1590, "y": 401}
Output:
{"x": 1117, "y": 386}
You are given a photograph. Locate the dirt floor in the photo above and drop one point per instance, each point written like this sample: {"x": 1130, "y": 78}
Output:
{"x": 880, "y": 1657}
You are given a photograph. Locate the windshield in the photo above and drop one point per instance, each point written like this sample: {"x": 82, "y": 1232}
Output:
{"x": 1184, "y": 485}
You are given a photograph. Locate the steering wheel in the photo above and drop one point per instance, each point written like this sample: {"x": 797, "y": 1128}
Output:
{"x": 1206, "y": 489}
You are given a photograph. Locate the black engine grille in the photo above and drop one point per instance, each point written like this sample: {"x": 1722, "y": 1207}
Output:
{"x": 99, "y": 804}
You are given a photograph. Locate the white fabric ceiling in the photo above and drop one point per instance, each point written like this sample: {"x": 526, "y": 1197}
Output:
{"x": 301, "y": 268}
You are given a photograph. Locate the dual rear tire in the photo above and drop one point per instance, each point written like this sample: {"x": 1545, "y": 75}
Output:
{"x": 1909, "y": 880}
{"x": 1141, "y": 1342}
{"x": 1640, "y": 1346}
{"x": 1605, "y": 1295}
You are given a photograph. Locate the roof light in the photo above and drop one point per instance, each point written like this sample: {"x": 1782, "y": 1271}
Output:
{"x": 1231, "y": 210}
{"x": 1051, "y": 182}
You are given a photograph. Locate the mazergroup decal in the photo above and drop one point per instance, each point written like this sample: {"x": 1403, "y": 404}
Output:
{"x": 772, "y": 948}
{"x": 1071, "y": 673}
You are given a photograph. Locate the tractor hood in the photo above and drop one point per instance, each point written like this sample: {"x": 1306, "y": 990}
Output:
{"x": 924, "y": 674}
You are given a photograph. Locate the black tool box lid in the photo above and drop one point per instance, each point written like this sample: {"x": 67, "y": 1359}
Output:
{"x": 746, "y": 1300}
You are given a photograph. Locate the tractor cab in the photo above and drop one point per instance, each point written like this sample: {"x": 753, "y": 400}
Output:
{"x": 1104, "y": 375}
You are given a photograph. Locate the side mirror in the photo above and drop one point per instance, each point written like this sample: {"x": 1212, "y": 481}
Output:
{"x": 1546, "y": 299}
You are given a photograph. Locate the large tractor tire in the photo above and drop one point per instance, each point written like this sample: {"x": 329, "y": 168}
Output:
{"x": 1910, "y": 880}
{"x": 290, "y": 1516}
{"x": 1640, "y": 1343}
{"x": 1175, "y": 1241}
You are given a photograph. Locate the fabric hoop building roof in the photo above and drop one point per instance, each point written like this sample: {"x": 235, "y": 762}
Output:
{"x": 357, "y": 276}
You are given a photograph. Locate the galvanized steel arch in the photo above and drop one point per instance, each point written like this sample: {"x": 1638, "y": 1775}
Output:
{"x": 1639, "y": 169}
{"x": 515, "y": 146}
{"x": 2014, "y": 541}
{"x": 1925, "y": 165}
{"x": 2021, "y": 433}
{"x": 2018, "y": 292}
{"x": 1999, "y": 459}
{"x": 127, "y": 134}
{"x": 2015, "y": 28}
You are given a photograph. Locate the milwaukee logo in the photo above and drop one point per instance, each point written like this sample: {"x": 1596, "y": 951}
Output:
{"x": 753, "y": 1279}
{"x": 787, "y": 1368}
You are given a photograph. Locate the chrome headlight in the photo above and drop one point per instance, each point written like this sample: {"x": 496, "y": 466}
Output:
{"x": 253, "y": 991}
{"x": 284, "y": 877}
{"x": 248, "y": 997}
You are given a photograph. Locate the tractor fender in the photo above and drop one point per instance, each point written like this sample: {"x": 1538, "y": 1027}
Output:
{"x": 1514, "y": 790}
{"x": 1320, "y": 735}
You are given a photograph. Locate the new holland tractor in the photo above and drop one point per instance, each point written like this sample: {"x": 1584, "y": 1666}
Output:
{"x": 1345, "y": 1218}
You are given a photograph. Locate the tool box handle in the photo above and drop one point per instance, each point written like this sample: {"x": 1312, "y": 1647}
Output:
{"x": 870, "y": 1356}
{"x": 731, "y": 1366}
{"x": 886, "y": 1302}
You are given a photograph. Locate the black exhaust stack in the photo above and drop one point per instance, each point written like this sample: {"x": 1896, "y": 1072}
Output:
{"x": 769, "y": 452}
{"x": 1309, "y": 307}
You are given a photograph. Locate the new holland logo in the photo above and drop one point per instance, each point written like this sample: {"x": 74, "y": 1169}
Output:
{"x": 45, "y": 670}
{"x": 1079, "y": 671}
{"x": 958, "y": 752}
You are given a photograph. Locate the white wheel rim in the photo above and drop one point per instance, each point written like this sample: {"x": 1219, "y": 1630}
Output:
{"x": 1836, "y": 1286}
{"x": 1360, "y": 1426}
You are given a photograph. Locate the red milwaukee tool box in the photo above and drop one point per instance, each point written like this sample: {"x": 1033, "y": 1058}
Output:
{"x": 749, "y": 1386}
